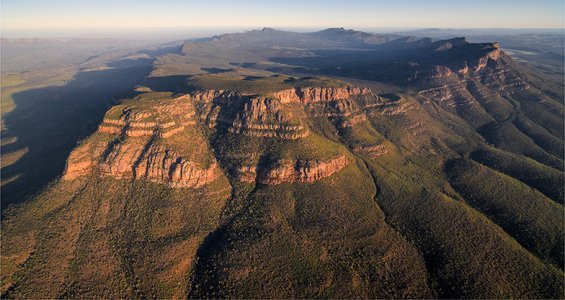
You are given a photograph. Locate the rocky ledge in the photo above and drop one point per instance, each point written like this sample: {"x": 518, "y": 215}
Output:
{"x": 252, "y": 115}
{"x": 135, "y": 141}
{"x": 293, "y": 171}
{"x": 131, "y": 161}
{"x": 374, "y": 151}
{"x": 164, "y": 119}
{"x": 317, "y": 94}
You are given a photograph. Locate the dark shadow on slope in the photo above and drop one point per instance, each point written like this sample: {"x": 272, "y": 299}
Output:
{"x": 216, "y": 70}
{"x": 173, "y": 83}
{"x": 251, "y": 78}
{"x": 50, "y": 121}
{"x": 162, "y": 51}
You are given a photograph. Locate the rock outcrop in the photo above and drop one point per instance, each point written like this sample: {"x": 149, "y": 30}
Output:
{"x": 249, "y": 114}
{"x": 444, "y": 92}
{"x": 146, "y": 139}
{"x": 392, "y": 108}
{"x": 492, "y": 53}
{"x": 317, "y": 94}
{"x": 129, "y": 161}
{"x": 293, "y": 171}
{"x": 133, "y": 142}
{"x": 83, "y": 160}
{"x": 374, "y": 151}
{"x": 265, "y": 117}
{"x": 157, "y": 164}
{"x": 496, "y": 75}
{"x": 164, "y": 120}
{"x": 441, "y": 72}
{"x": 269, "y": 115}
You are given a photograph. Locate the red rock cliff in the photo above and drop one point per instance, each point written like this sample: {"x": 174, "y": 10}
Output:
{"x": 316, "y": 94}
{"x": 293, "y": 171}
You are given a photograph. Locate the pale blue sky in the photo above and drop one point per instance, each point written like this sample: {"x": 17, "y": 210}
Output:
{"x": 19, "y": 14}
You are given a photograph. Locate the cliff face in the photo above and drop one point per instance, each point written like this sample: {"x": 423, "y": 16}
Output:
{"x": 139, "y": 141}
{"x": 162, "y": 120}
{"x": 489, "y": 74}
{"x": 492, "y": 53}
{"x": 157, "y": 164}
{"x": 148, "y": 139}
{"x": 454, "y": 57}
{"x": 265, "y": 117}
{"x": 317, "y": 94}
{"x": 293, "y": 171}
{"x": 253, "y": 115}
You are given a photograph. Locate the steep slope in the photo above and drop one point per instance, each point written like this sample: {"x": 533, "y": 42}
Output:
{"x": 92, "y": 233}
{"x": 252, "y": 184}
{"x": 162, "y": 139}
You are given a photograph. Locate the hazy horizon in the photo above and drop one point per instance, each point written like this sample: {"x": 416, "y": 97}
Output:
{"x": 55, "y": 17}
{"x": 201, "y": 32}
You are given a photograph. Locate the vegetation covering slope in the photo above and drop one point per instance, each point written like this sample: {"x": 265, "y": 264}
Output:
{"x": 328, "y": 184}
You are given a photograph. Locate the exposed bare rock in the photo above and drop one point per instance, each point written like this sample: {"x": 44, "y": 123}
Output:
{"x": 135, "y": 145}
{"x": 160, "y": 164}
{"x": 502, "y": 79}
{"x": 464, "y": 69}
{"x": 265, "y": 117}
{"x": 253, "y": 115}
{"x": 278, "y": 132}
{"x": 492, "y": 72}
{"x": 399, "y": 107}
{"x": 164, "y": 119}
{"x": 316, "y": 94}
{"x": 130, "y": 160}
{"x": 353, "y": 120}
{"x": 450, "y": 95}
{"x": 134, "y": 135}
{"x": 82, "y": 160}
{"x": 293, "y": 171}
{"x": 416, "y": 128}
{"x": 343, "y": 113}
{"x": 491, "y": 53}
{"x": 218, "y": 96}
{"x": 374, "y": 151}
{"x": 444, "y": 47}
{"x": 441, "y": 71}
{"x": 269, "y": 116}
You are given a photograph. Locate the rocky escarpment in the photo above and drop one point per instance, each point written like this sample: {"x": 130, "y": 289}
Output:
{"x": 157, "y": 164}
{"x": 270, "y": 115}
{"x": 342, "y": 112}
{"x": 145, "y": 141}
{"x": 491, "y": 53}
{"x": 491, "y": 75}
{"x": 389, "y": 108}
{"x": 317, "y": 94}
{"x": 500, "y": 76}
{"x": 459, "y": 56}
{"x": 156, "y": 140}
{"x": 266, "y": 117}
{"x": 163, "y": 120}
{"x": 446, "y": 93}
{"x": 249, "y": 114}
{"x": 293, "y": 171}
{"x": 374, "y": 151}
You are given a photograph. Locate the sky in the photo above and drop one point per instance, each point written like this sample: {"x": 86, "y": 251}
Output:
{"x": 129, "y": 14}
